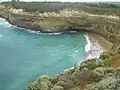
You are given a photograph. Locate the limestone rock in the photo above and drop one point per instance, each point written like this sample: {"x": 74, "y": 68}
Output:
{"x": 33, "y": 86}
{"x": 57, "y": 88}
{"x": 44, "y": 78}
{"x": 44, "y": 86}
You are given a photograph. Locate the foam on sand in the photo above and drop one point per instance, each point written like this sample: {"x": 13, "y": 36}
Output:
{"x": 93, "y": 49}
{"x": 87, "y": 47}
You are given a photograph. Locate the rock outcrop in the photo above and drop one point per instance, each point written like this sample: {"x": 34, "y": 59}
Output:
{"x": 94, "y": 74}
{"x": 64, "y": 21}
{"x": 101, "y": 78}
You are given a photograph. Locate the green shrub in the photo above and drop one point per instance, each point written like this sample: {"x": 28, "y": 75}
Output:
{"x": 104, "y": 55}
{"x": 108, "y": 62}
{"x": 91, "y": 66}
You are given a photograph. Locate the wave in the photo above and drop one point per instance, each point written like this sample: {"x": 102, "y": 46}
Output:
{"x": 38, "y": 32}
{"x": 87, "y": 47}
{"x": 31, "y": 31}
{"x": 93, "y": 48}
{"x": 4, "y": 23}
{"x": 55, "y": 33}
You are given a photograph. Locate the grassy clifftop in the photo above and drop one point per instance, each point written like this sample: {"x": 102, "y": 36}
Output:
{"x": 101, "y": 19}
{"x": 68, "y": 17}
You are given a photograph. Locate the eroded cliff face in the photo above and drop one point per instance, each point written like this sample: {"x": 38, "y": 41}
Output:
{"x": 94, "y": 74}
{"x": 66, "y": 20}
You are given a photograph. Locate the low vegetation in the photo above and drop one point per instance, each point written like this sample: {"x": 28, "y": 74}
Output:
{"x": 68, "y": 16}
{"x": 91, "y": 73}
{"x": 99, "y": 18}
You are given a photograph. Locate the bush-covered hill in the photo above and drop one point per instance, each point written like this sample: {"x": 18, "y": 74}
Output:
{"x": 96, "y": 8}
{"x": 100, "y": 18}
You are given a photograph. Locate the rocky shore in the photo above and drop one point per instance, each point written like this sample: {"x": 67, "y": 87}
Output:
{"x": 93, "y": 74}
{"x": 64, "y": 21}
{"x": 101, "y": 78}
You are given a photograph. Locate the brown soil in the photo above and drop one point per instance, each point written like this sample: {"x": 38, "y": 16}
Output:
{"x": 116, "y": 61}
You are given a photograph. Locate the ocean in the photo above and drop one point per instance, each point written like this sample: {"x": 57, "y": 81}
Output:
{"x": 25, "y": 54}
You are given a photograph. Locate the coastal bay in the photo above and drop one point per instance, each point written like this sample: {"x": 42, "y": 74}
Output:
{"x": 101, "y": 47}
{"x": 25, "y": 55}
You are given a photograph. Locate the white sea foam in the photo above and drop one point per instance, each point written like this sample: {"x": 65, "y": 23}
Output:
{"x": 55, "y": 33}
{"x": 93, "y": 48}
{"x": 0, "y": 35}
{"x": 87, "y": 47}
{"x": 72, "y": 31}
{"x": 76, "y": 50}
{"x": 69, "y": 69}
{"x": 32, "y": 31}
{"x": 4, "y": 22}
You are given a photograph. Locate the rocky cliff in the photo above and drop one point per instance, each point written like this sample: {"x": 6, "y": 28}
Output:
{"x": 65, "y": 20}
{"x": 94, "y": 74}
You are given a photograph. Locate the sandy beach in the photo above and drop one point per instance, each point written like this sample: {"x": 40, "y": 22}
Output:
{"x": 107, "y": 45}
{"x": 98, "y": 45}
{"x": 93, "y": 48}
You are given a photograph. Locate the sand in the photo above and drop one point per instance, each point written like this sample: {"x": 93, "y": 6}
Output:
{"x": 107, "y": 45}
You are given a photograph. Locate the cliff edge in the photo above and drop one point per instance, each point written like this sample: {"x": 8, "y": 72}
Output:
{"x": 103, "y": 19}
{"x": 65, "y": 20}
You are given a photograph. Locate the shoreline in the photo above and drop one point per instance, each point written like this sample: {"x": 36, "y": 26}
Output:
{"x": 107, "y": 45}
{"x": 93, "y": 47}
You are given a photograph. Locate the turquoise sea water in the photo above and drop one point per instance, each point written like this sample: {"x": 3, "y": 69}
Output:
{"x": 25, "y": 56}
